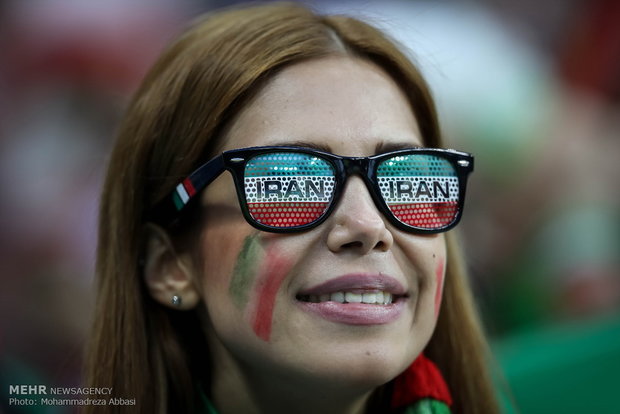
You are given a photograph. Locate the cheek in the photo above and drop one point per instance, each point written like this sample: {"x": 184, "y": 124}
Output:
{"x": 256, "y": 281}
{"x": 219, "y": 261}
{"x": 228, "y": 254}
{"x": 427, "y": 255}
{"x": 439, "y": 275}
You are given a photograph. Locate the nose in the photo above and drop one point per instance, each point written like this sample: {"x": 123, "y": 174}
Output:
{"x": 356, "y": 224}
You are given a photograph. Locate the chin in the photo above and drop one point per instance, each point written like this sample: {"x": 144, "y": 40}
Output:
{"x": 360, "y": 367}
{"x": 376, "y": 369}
{"x": 367, "y": 376}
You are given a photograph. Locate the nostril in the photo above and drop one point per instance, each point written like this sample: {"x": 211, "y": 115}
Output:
{"x": 381, "y": 245}
{"x": 353, "y": 244}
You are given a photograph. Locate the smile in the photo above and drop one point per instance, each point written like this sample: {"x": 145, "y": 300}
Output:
{"x": 356, "y": 299}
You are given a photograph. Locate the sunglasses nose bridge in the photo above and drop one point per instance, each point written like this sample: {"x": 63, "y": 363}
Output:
{"x": 355, "y": 165}
{"x": 359, "y": 166}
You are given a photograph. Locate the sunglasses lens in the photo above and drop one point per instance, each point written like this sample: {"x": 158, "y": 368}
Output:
{"x": 288, "y": 189}
{"x": 421, "y": 190}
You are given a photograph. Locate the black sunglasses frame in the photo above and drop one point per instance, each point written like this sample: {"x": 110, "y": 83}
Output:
{"x": 366, "y": 167}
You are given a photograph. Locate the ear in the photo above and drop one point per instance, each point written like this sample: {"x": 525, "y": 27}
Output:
{"x": 166, "y": 273}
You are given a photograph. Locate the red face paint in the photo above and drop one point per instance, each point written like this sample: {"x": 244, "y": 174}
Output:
{"x": 272, "y": 274}
{"x": 440, "y": 278}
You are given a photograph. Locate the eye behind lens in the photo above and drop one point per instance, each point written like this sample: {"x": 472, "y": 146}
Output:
{"x": 420, "y": 190}
{"x": 288, "y": 189}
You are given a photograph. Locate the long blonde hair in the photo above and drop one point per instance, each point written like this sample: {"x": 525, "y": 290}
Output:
{"x": 154, "y": 355}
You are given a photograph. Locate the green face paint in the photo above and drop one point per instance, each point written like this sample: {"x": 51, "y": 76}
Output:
{"x": 245, "y": 270}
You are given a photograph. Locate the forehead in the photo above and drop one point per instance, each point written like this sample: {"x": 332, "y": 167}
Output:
{"x": 347, "y": 105}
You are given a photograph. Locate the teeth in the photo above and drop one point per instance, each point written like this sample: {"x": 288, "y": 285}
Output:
{"x": 371, "y": 298}
{"x": 337, "y": 297}
{"x": 387, "y": 298}
{"x": 353, "y": 297}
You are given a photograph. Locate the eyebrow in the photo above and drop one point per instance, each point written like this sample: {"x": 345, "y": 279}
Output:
{"x": 381, "y": 147}
{"x": 305, "y": 144}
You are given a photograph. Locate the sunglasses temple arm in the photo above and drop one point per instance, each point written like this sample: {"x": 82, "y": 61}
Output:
{"x": 205, "y": 175}
{"x": 167, "y": 210}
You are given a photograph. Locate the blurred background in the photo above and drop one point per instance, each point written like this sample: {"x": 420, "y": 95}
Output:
{"x": 531, "y": 88}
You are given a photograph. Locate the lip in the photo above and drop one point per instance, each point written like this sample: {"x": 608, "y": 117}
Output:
{"x": 359, "y": 283}
{"x": 357, "y": 313}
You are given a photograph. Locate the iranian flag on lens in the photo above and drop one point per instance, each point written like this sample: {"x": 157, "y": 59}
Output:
{"x": 420, "y": 190}
{"x": 288, "y": 189}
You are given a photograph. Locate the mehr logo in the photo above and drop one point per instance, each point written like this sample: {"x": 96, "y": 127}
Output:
{"x": 27, "y": 389}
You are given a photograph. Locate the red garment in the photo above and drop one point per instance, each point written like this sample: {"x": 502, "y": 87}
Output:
{"x": 421, "y": 380}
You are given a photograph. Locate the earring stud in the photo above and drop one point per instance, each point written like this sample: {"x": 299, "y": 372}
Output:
{"x": 176, "y": 300}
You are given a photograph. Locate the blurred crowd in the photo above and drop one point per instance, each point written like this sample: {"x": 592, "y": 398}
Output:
{"x": 531, "y": 88}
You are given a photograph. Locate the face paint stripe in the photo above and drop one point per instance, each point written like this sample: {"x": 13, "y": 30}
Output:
{"x": 245, "y": 270}
{"x": 269, "y": 282}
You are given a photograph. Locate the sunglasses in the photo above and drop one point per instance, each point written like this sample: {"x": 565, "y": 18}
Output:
{"x": 291, "y": 189}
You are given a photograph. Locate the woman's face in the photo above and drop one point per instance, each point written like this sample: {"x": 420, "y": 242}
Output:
{"x": 257, "y": 285}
